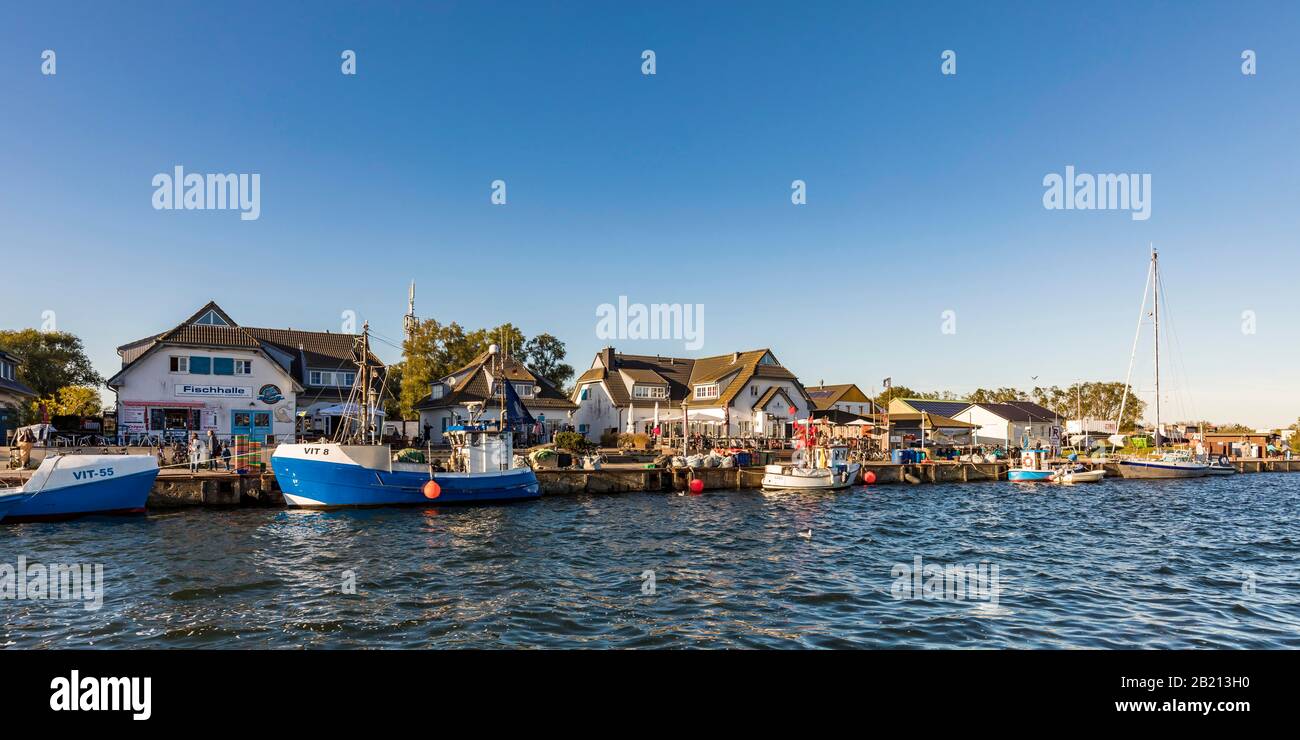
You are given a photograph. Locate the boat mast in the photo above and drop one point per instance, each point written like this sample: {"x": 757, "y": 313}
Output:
{"x": 1155, "y": 287}
{"x": 364, "y": 363}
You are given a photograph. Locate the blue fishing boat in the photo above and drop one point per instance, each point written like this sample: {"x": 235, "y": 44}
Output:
{"x": 66, "y": 486}
{"x": 352, "y": 470}
{"x": 1033, "y": 468}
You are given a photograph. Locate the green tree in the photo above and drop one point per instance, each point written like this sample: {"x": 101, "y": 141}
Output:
{"x": 51, "y": 360}
{"x": 431, "y": 351}
{"x": 70, "y": 400}
{"x": 392, "y": 390}
{"x": 544, "y": 355}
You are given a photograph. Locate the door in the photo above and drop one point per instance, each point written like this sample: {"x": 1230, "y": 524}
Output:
{"x": 255, "y": 424}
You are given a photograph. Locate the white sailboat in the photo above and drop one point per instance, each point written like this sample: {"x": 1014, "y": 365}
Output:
{"x": 1176, "y": 463}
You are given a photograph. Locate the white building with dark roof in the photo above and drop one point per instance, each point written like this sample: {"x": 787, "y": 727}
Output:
{"x": 210, "y": 373}
{"x": 481, "y": 382}
{"x": 738, "y": 395}
{"x": 1012, "y": 422}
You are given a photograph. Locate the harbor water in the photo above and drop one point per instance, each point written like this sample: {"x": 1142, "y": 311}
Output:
{"x": 1212, "y": 563}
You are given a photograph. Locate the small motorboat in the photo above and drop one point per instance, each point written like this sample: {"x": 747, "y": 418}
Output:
{"x": 1222, "y": 466}
{"x": 1033, "y": 469}
{"x": 66, "y": 486}
{"x": 816, "y": 468}
{"x": 1080, "y": 474}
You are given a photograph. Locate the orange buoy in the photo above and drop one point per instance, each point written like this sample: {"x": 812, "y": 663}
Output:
{"x": 869, "y": 477}
{"x": 432, "y": 489}
{"x": 697, "y": 485}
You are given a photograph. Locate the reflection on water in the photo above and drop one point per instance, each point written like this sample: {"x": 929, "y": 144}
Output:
{"x": 1199, "y": 563}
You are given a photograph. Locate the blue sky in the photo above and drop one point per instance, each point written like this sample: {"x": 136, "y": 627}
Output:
{"x": 924, "y": 190}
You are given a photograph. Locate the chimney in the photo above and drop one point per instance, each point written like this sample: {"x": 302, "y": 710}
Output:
{"x": 607, "y": 358}
{"x": 735, "y": 357}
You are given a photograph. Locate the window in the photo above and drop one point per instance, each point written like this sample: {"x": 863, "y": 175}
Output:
{"x": 525, "y": 390}
{"x": 753, "y": 390}
{"x": 584, "y": 428}
{"x": 437, "y": 390}
{"x": 200, "y": 365}
{"x": 223, "y": 366}
{"x": 586, "y": 393}
{"x": 211, "y": 318}
{"x": 327, "y": 377}
{"x": 180, "y": 364}
{"x": 6, "y": 371}
{"x": 649, "y": 391}
{"x": 706, "y": 391}
{"x": 243, "y": 367}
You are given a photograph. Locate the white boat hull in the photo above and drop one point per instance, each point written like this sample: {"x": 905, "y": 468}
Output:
{"x": 1082, "y": 476}
{"x": 811, "y": 479}
{"x": 1148, "y": 469}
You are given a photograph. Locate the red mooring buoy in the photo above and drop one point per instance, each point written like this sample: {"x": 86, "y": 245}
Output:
{"x": 869, "y": 477}
{"x": 697, "y": 485}
{"x": 432, "y": 490}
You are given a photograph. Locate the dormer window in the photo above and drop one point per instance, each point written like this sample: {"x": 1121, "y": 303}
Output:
{"x": 437, "y": 390}
{"x": 525, "y": 390}
{"x": 649, "y": 391}
{"x": 211, "y": 318}
{"x": 6, "y": 370}
{"x": 706, "y": 391}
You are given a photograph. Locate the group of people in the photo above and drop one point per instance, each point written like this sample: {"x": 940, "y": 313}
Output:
{"x": 204, "y": 452}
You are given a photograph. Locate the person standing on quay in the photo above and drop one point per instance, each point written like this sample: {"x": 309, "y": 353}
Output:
{"x": 196, "y": 449}
{"x": 214, "y": 448}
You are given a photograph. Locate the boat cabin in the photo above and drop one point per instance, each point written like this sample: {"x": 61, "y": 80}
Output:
{"x": 480, "y": 448}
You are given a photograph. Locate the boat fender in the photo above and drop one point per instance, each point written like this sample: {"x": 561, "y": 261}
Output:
{"x": 1223, "y": 460}
{"x": 432, "y": 490}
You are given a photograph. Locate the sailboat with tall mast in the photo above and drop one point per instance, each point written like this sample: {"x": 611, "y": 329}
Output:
{"x": 1177, "y": 463}
{"x": 354, "y": 469}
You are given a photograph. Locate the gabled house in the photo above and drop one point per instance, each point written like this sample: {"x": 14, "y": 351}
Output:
{"x": 845, "y": 397}
{"x": 927, "y": 405}
{"x": 742, "y": 394}
{"x": 1012, "y": 422}
{"x": 208, "y": 372}
{"x": 481, "y": 381}
{"x": 13, "y": 394}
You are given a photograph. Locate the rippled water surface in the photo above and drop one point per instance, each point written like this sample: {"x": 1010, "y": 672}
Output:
{"x": 1120, "y": 564}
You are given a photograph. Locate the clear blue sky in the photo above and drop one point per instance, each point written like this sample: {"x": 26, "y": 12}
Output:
{"x": 924, "y": 191}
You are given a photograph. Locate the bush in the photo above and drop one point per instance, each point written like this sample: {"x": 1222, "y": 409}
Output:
{"x": 634, "y": 441}
{"x": 609, "y": 439}
{"x": 572, "y": 441}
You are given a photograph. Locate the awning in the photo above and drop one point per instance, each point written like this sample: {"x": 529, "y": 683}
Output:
{"x": 347, "y": 409}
